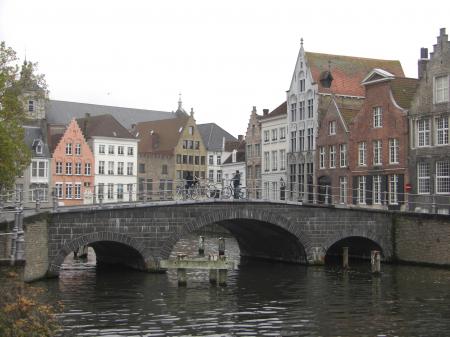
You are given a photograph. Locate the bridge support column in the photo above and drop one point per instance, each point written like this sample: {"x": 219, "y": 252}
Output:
{"x": 213, "y": 276}
{"x": 222, "y": 277}
{"x": 316, "y": 256}
{"x": 375, "y": 261}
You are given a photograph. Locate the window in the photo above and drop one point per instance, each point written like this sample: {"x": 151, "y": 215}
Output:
{"x": 343, "y": 155}
{"x": 39, "y": 169}
{"x": 119, "y": 191}
{"x": 249, "y": 151}
{"x": 302, "y": 85}
{"x": 441, "y": 89}
{"x": 394, "y": 149}
{"x": 301, "y": 110}
{"x": 110, "y": 149}
{"x": 191, "y": 130}
{"x": 202, "y": 160}
{"x": 377, "y": 152}
{"x": 101, "y": 191}
{"x": 282, "y": 159}
{"x": 164, "y": 169}
{"x": 332, "y": 150}
{"x": 211, "y": 176}
{"x": 274, "y": 134}
{"x": 293, "y": 112}
{"x": 258, "y": 150}
{"x": 130, "y": 151}
{"x": 39, "y": 148}
{"x": 59, "y": 190}
{"x": 292, "y": 179}
{"x": 87, "y": 169}
{"x": 211, "y": 160}
{"x": 310, "y": 108}
{"x": 442, "y": 131}
{"x": 423, "y": 132}
{"x": 101, "y": 167}
{"x": 293, "y": 141}
{"x": 321, "y": 157}
{"x": 69, "y": 168}
{"x": 190, "y": 144}
{"x": 377, "y": 190}
{"x": 185, "y": 144}
{"x": 110, "y": 194}
{"x": 110, "y": 167}
{"x": 185, "y": 159}
{"x": 191, "y": 160}
{"x": 443, "y": 177}
{"x": 393, "y": 189}
{"x": 196, "y": 161}
{"x": 120, "y": 150}
{"x": 58, "y": 168}
{"x": 377, "y": 117}
{"x": 301, "y": 140}
{"x": 130, "y": 169}
{"x": 77, "y": 149}
{"x": 179, "y": 161}
{"x": 219, "y": 160}
{"x": 69, "y": 191}
{"x": 130, "y": 190}
{"x": 343, "y": 190}
{"x": 219, "y": 176}
{"x": 30, "y": 106}
{"x": 282, "y": 133}
{"x": 274, "y": 160}
{"x": 362, "y": 154}
{"x": 78, "y": 168}
{"x": 77, "y": 191}
{"x": 196, "y": 145}
{"x": 266, "y": 161}
{"x": 266, "y": 136}
{"x": 121, "y": 165}
{"x": 361, "y": 195}
{"x": 142, "y": 165}
{"x": 69, "y": 149}
{"x": 310, "y": 139}
{"x": 101, "y": 149}
{"x": 332, "y": 128}
{"x": 423, "y": 178}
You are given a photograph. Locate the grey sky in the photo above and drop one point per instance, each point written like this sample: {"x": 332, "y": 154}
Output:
{"x": 223, "y": 56}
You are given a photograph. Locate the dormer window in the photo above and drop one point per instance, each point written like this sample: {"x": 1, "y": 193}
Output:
{"x": 31, "y": 106}
{"x": 39, "y": 148}
{"x": 332, "y": 128}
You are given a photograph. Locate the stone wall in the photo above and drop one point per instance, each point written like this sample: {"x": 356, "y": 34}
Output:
{"x": 422, "y": 238}
{"x": 36, "y": 248}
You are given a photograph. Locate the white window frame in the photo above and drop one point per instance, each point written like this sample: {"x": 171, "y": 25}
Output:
{"x": 441, "y": 124}
{"x": 293, "y": 113}
{"x": 377, "y": 117}
{"x": 423, "y": 132}
{"x": 282, "y": 160}
{"x": 377, "y": 151}
{"x": 69, "y": 191}
{"x": 376, "y": 187}
{"x": 301, "y": 110}
{"x": 68, "y": 149}
{"x": 394, "y": 150}
{"x": 321, "y": 157}
{"x": 274, "y": 160}
{"x": 361, "y": 190}
{"x": 443, "y": 178}
{"x": 130, "y": 169}
{"x": 101, "y": 149}
{"x": 332, "y": 128}
{"x": 266, "y": 136}
{"x": 69, "y": 170}
{"x": 393, "y": 189}
{"x": 87, "y": 169}
{"x": 77, "y": 149}
{"x": 77, "y": 191}
{"x": 343, "y": 155}
{"x": 362, "y": 149}
{"x": 59, "y": 190}
{"x": 266, "y": 161}
{"x": 441, "y": 90}
{"x": 59, "y": 168}
{"x": 423, "y": 178}
{"x": 332, "y": 158}
{"x": 78, "y": 168}
{"x": 343, "y": 185}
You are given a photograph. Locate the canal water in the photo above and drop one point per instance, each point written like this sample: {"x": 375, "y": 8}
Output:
{"x": 261, "y": 299}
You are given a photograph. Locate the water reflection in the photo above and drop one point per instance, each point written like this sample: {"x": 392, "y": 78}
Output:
{"x": 261, "y": 299}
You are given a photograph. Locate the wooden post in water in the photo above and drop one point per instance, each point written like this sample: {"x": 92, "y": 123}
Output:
{"x": 182, "y": 279}
{"x": 221, "y": 246}
{"x": 375, "y": 259}
{"x": 345, "y": 257}
{"x": 201, "y": 246}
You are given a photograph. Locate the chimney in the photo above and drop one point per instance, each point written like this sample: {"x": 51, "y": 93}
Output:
{"x": 254, "y": 110}
{"x": 422, "y": 63}
{"x": 240, "y": 138}
{"x": 265, "y": 112}
{"x": 223, "y": 143}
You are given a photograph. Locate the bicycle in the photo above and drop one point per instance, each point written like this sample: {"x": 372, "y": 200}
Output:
{"x": 229, "y": 191}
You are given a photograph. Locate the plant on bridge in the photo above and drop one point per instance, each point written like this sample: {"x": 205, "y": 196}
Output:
{"x": 21, "y": 312}
{"x": 14, "y": 87}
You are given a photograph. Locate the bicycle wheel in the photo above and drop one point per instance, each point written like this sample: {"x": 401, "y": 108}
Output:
{"x": 180, "y": 193}
{"x": 227, "y": 192}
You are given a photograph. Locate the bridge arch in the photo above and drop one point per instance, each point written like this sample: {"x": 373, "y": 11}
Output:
{"x": 279, "y": 225}
{"x": 140, "y": 257}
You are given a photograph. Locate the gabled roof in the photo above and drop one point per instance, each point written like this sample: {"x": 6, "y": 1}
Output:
{"x": 347, "y": 71}
{"x": 160, "y": 137}
{"x": 103, "y": 126}
{"x": 212, "y": 136}
{"x": 278, "y": 111}
{"x": 377, "y": 75}
{"x": 403, "y": 89}
{"x": 348, "y": 107}
{"x": 62, "y": 112}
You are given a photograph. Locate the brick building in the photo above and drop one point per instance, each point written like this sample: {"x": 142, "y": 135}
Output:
{"x": 332, "y": 157}
{"x": 429, "y": 131}
{"x": 379, "y": 141}
{"x": 253, "y": 155}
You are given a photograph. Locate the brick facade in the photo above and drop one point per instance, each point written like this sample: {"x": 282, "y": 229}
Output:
{"x": 253, "y": 156}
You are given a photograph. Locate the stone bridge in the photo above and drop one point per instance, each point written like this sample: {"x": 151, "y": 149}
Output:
{"x": 140, "y": 236}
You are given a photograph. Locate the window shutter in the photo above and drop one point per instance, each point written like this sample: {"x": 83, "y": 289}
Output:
{"x": 401, "y": 189}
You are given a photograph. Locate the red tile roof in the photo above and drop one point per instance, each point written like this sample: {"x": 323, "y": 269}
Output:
{"x": 279, "y": 111}
{"x": 347, "y": 71}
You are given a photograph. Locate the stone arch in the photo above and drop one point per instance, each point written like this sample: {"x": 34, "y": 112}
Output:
{"x": 358, "y": 232}
{"x": 234, "y": 214}
{"x": 87, "y": 239}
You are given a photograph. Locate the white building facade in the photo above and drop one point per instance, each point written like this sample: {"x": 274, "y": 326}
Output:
{"x": 115, "y": 177}
{"x": 274, "y": 145}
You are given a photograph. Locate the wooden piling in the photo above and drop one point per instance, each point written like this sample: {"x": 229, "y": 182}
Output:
{"x": 345, "y": 257}
{"x": 375, "y": 260}
{"x": 182, "y": 278}
{"x": 201, "y": 246}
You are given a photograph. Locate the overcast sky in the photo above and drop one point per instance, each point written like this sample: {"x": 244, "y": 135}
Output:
{"x": 223, "y": 56}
